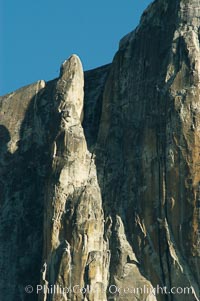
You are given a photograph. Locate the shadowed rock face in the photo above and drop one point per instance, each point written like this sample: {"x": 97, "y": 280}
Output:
{"x": 94, "y": 82}
{"x": 103, "y": 190}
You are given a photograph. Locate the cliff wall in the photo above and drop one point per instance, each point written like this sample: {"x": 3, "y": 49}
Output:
{"x": 100, "y": 172}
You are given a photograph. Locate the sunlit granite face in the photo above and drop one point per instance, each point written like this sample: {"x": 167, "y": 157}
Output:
{"x": 100, "y": 172}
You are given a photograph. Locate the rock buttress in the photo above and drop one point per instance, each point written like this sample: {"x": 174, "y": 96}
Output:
{"x": 75, "y": 254}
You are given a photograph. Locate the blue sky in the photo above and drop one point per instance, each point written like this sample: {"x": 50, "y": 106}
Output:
{"x": 38, "y": 35}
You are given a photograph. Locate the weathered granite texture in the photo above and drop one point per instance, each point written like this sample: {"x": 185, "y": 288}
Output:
{"x": 103, "y": 190}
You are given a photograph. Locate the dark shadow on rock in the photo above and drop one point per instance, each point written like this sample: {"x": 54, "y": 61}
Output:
{"x": 4, "y": 135}
{"x": 4, "y": 140}
{"x": 94, "y": 83}
{"x": 5, "y": 157}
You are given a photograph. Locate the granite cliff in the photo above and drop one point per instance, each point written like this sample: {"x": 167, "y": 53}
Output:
{"x": 100, "y": 172}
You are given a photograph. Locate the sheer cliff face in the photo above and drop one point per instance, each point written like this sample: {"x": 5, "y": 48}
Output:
{"x": 103, "y": 190}
{"x": 148, "y": 146}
